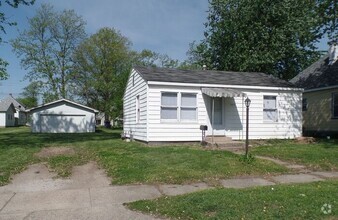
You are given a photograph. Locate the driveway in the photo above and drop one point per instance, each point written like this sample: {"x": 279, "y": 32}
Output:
{"x": 87, "y": 194}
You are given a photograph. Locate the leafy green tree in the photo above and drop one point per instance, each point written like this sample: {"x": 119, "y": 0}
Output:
{"x": 275, "y": 37}
{"x": 152, "y": 59}
{"x": 46, "y": 49}
{"x": 29, "y": 96}
{"x": 327, "y": 11}
{"x": 3, "y": 22}
{"x": 103, "y": 63}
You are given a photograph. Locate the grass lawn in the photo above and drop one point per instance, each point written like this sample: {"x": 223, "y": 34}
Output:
{"x": 302, "y": 201}
{"x": 322, "y": 155}
{"x": 125, "y": 162}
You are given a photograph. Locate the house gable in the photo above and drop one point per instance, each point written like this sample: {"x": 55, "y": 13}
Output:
{"x": 135, "y": 107}
{"x": 59, "y": 102}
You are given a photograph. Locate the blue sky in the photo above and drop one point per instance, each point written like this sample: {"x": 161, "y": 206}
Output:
{"x": 164, "y": 26}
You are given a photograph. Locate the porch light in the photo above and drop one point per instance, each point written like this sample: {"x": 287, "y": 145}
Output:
{"x": 247, "y": 102}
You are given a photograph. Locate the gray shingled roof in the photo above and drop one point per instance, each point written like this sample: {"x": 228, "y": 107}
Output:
{"x": 318, "y": 75}
{"x": 5, "y": 104}
{"x": 16, "y": 104}
{"x": 210, "y": 77}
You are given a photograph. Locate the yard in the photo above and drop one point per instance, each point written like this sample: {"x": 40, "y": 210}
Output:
{"x": 297, "y": 201}
{"x": 126, "y": 163}
{"x": 136, "y": 163}
{"x": 300, "y": 201}
{"x": 320, "y": 155}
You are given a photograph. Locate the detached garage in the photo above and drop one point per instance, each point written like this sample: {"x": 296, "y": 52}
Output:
{"x": 62, "y": 116}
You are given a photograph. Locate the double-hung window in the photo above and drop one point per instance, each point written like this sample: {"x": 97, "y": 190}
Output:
{"x": 270, "y": 108}
{"x": 178, "y": 106}
{"x": 188, "y": 107}
{"x": 335, "y": 105}
{"x": 169, "y": 106}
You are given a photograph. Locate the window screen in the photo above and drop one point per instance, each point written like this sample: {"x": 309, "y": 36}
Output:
{"x": 169, "y": 105}
{"x": 270, "y": 108}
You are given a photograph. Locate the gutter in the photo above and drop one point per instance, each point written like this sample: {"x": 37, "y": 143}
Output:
{"x": 319, "y": 89}
{"x": 224, "y": 86}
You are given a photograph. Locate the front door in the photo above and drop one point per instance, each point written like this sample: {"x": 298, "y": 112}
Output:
{"x": 217, "y": 109}
{"x": 218, "y": 112}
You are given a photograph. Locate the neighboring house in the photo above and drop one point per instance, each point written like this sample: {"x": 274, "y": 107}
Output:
{"x": 162, "y": 105}
{"x": 62, "y": 116}
{"x": 20, "y": 114}
{"x": 7, "y": 112}
{"x": 100, "y": 119}
{"x": 320, "y": 97}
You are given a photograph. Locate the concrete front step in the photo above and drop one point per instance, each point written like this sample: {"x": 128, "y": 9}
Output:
{"x": 218, "y": 139}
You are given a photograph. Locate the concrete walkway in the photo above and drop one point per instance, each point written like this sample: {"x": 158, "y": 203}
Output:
{"x": 36, "y": 194}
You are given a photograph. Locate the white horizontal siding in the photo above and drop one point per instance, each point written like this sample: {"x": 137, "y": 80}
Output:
{"x": 62, "y": 118}
{"x": 174, "y": 131}
{"x": 136, "y": 86}
{"x": 3, "y": 119}
{"x": 289, "y": 124}
{"x": 234, "y": 116}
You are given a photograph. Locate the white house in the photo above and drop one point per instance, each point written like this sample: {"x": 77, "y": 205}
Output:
{"x": 100, "y": 120}
{"x": 20, "y": 114}
{"x": 167, "y": 105}
{"x": 63, "y": 116}
{"x": 7, "y": 112}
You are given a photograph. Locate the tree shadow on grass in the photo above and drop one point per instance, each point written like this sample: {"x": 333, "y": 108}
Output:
{"x": 24, "y": 138}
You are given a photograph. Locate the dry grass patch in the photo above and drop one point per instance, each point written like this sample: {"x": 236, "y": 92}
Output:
{"x": 47, "y": 152}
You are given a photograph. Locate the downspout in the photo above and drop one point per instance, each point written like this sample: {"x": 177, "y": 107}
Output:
{"x": 242, "y": 117}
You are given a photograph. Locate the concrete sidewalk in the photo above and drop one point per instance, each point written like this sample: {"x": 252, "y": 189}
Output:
{"x": 35, "y": 194}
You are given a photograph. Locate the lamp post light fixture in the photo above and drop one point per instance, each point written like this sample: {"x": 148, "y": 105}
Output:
{"x": 247, "y": 104}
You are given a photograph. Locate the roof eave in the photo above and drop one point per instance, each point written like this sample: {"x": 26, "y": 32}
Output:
{"x": 224, "y": 86}
{"x": 61, "y": 100}
{"x": 321, "y": 88}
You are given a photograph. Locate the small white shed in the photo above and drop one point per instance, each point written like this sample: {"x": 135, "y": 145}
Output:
{"x": 168, "y": 105}
{"x": 62, "y": 116}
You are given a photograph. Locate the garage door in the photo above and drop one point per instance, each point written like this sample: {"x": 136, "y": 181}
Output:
{"x": 62, "y": 123}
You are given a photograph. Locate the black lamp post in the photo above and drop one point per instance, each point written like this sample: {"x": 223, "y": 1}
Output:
{"x": 247, "y": 104}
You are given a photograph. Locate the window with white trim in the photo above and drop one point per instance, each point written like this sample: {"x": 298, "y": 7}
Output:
{"x": 188, "y": 107}
{"x": 335, "y": 105}
{"x": 270, "y": 108}
{"x": 137, "y": 109}
{"x": 178, "y": 106}
{"x": 169, "y": 105}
